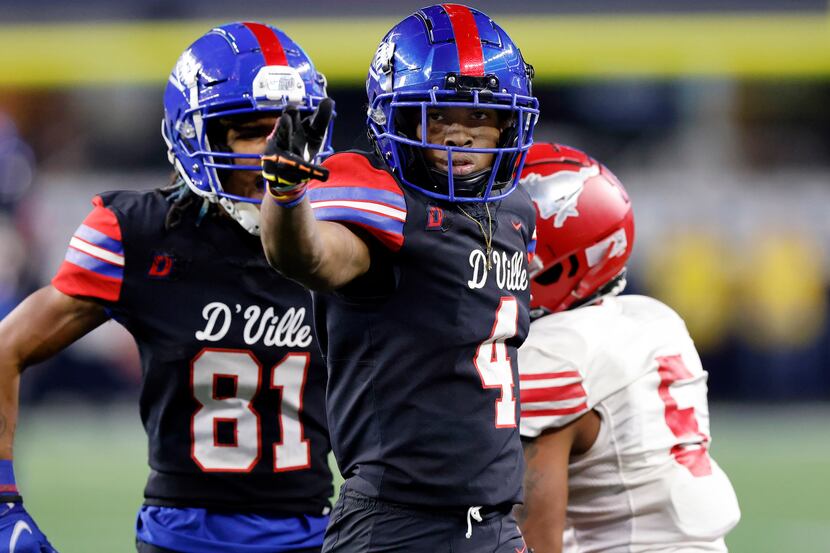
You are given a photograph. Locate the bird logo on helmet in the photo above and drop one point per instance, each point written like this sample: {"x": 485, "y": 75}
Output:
{"x": 584, "y": 226}
{"x": 235, "y": 69}
{"x": 450, "y": 56}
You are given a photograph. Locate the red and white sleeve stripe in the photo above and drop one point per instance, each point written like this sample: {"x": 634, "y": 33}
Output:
{"x": 94, "y": 263}
{"x": 360, "y": 195}
{"x": 551, "y": 400}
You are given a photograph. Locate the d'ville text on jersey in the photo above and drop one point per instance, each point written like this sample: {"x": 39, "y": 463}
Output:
{"x": 288, "y": 330}
{"x": 511, "y": 272}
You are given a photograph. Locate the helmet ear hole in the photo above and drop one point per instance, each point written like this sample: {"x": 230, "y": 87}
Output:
{"x": 550, "y": 276}
{"x": 574, "y": 265}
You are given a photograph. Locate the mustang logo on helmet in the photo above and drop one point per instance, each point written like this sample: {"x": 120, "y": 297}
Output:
{"x": 557, "y": 194}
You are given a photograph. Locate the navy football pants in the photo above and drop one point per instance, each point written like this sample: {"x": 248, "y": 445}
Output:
{"x": 361, "y": 524}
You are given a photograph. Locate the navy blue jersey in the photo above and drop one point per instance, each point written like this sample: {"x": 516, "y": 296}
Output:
{"x": 423, "y": 395}
{"x": 232, "y": 395}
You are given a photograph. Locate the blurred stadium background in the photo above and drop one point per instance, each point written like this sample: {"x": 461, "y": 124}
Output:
{"x": 715, "y": 114}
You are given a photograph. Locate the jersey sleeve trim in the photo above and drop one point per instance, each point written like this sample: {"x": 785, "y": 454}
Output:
{"x": 100, "y": 240}
{"x": 552, "y": 394}
{"x": 114, "y": 258}
{"x": 94, "y": 262}
{"x": 556, "y": 412}
{"x": 90, "y": 262}
{"x": 393, "y": 203}
{"x": 380, "y": 212}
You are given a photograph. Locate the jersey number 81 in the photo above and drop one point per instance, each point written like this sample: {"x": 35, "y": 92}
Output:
{"x": 237, "y": 410}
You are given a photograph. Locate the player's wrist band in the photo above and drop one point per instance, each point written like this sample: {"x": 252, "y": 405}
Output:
{"x": 8, "y": 487}
{"x": 288, "y": 195}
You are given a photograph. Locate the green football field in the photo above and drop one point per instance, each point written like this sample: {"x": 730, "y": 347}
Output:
{"x": 81, "y": 473}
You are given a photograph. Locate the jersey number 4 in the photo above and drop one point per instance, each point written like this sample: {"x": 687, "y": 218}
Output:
{"x": 232, "y": 407}
{"x": 493, "y": 363}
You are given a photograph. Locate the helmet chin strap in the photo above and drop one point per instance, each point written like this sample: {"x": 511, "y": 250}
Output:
{"x": 244, "y": 213}
{"x": 462, "y": 186}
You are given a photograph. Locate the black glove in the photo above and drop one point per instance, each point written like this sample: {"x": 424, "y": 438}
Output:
{"x": 291, "y": 148}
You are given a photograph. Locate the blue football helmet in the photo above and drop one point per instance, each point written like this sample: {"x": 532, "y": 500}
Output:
{"x": 445, "y": 56}
{"x": 233, "y": 70}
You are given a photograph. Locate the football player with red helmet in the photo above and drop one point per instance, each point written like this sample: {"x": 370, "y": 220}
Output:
{"x": 614, "y": 411}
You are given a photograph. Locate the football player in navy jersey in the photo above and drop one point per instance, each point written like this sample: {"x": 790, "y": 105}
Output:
{"x": 232, "y": 395}
{"x": 418, "y": 256}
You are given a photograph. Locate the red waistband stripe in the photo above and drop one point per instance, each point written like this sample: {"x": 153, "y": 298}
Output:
{"x": 269, "y": 43}
{"x": 467, "y": 40}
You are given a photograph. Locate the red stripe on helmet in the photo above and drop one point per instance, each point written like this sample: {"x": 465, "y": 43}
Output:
{"x": 269, "y": 43}
{"x": 467, "y": 40}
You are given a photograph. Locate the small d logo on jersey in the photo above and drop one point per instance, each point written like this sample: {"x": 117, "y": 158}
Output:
{"x": 161, "y": 266}
{"x": 435, "y": 218}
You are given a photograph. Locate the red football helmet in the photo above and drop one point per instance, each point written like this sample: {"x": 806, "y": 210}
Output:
{"x": 584, "y": 226}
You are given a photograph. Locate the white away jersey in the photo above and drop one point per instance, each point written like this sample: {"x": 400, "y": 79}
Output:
{"x": 648, "y": 482}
